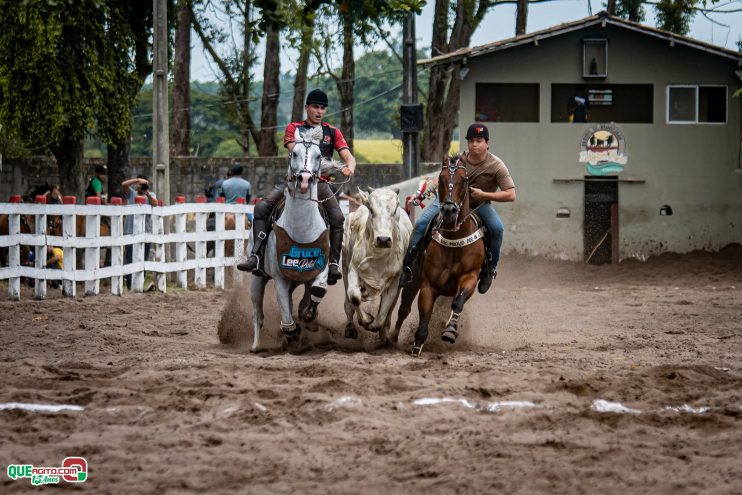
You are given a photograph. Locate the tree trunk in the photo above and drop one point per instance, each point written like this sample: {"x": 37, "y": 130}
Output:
{"x": 300, "y": 82}
{"x": 237, "y": 85}
{"x": 271, "y": 92}
{"x": 611, "y": 7}
{"x": 119, "y": 151}
{"x": 72, "y": 178}
{"x": 118, "y": 166}
{"x": 247, "y": 128}
{"x": 445, "y": 83}
{"x": 430, "y": 151}
{"x": 182, "y": 82}
{"x": 522, "y": 17}
{"x": 347, "y": 82}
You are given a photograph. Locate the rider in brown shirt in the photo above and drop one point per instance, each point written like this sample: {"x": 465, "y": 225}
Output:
{"x": 489, "y": 180}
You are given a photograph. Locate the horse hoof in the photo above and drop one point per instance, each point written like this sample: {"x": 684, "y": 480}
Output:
{"x": 372, "y": 328}
{"x": 293, "y": 333}
{"x": 417, "y": 350}
{"x": 309, "y": 314}
{"x": 449, "y": 336}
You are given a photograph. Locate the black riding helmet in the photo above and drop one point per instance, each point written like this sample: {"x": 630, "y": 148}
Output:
{"x": 478, "y": 130}
{"x": 317, "y": 96}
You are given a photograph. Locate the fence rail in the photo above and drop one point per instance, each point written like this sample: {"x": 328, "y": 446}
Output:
{"x": 174, "y": 217}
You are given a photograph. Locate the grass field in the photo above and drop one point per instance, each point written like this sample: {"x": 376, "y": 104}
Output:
{"x": 383, "y": 150}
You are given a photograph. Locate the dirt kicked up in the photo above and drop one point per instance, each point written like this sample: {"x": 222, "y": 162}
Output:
{"x": 567, "y": 379}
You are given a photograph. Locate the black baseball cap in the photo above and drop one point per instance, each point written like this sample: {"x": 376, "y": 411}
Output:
{"x": 478, "y": 130}
{"x": 318, "y": 97}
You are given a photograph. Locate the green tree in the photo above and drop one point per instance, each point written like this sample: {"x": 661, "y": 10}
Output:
{"x": 675, "y": 15}
{"x": 61, "y": 79}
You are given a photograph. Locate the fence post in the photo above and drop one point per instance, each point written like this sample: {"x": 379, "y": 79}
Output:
{"x": 158, "y": 229}
{"x": 201, "y": 245}
{"x": 219, "y": 248}
{"x": 92, "y": 254}
{"x": 14, "y": 252}
{"x": 181, "y": 248}
{"x": 137, "y": 249}
{"x": 239, "y": 226}
{"x": 69, "y": 231}
{"x": 40, "y": 251}
{"x": 117, "y": 251}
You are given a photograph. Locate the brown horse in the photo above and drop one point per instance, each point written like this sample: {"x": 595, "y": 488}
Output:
{"x": 452, "y": 262}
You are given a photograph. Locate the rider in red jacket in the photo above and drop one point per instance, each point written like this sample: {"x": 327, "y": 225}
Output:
{"x": 332, "y": 140}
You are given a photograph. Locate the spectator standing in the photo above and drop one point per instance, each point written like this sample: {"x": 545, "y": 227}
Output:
{"x": 235, "y": 186}
{"x": 133, "y": 188}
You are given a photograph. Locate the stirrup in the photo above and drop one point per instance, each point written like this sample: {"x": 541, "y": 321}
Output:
{"x": 485, "y": 280}
{"x": 247, "y": 265}
{"x": 338, "y": 275}
{"x": 406, "y": 277}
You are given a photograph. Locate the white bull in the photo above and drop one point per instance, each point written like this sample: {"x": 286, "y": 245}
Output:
{"x": 374, "y": 244}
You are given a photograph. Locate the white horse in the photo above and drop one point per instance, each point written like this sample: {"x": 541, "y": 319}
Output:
{"x": 300, "y": 256}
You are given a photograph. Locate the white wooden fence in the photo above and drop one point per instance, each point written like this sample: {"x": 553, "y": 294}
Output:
{"x": 92, "y": 273}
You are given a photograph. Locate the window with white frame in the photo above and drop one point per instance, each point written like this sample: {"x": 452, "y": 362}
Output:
{"x": 595, "y": 57}
{"x": 696, "y": 104}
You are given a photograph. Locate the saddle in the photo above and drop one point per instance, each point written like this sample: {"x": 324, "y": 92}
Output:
{"x": 278, "y": 210}
{"x": 300, "y": 262}
{"x": 433, "y": 229}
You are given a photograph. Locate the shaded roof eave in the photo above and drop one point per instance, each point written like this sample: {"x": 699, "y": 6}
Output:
{"x": 600, "y": 18}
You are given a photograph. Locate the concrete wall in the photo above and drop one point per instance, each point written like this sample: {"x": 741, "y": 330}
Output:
{"x": 693, "y": 168}
{"x": 188, "y": 176}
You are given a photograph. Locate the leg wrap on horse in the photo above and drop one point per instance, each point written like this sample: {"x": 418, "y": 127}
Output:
{"x": 290, "y": 329}
{"x": 317, "y": 293}
{"x": 453, "y": 320}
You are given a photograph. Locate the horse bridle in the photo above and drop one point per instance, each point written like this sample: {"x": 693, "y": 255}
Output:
{"x": 453, "y": 166}
{"x": 295, "y": 176}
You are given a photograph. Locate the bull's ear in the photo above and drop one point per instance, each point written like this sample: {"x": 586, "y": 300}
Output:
{"x": 363, "y": 196}
{"x": 396, "y": 190}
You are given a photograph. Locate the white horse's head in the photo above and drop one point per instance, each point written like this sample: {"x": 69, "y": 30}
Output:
{"x": 305, "y": 160}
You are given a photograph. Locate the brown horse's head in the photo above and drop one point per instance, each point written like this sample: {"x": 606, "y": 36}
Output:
{"x": 453, "y": 192}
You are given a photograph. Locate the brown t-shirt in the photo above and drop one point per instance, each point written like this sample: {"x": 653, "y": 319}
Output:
{"x": 489, "y": 175}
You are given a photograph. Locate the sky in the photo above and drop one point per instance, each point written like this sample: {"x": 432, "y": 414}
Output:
{"x": 500, "y": 24}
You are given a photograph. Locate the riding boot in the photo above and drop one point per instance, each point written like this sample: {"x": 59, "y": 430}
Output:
{"x": 487, "y": 275}
{"x": 255, "y": 262}
{"x": 336, "y": 242}
{"x": 409, "y": 259}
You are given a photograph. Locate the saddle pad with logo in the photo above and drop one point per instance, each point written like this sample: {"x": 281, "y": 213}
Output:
{"x": 301, "y": 262}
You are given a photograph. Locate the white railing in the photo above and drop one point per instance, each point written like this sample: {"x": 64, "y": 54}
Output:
{"x": 93, "y": 273}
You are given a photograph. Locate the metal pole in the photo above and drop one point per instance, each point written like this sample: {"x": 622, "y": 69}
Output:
{"x": 411, "y": 148}
{"x": 161, "y": 145}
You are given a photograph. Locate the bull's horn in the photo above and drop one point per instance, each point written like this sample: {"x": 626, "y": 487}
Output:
{"x": 396, "y": 190}
{"x": 370, "y": 189}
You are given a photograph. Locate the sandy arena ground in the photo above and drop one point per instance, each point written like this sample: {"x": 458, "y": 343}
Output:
{"x": 168, "y": 409}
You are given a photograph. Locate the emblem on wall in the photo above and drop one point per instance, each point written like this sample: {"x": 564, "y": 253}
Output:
{"x": 603, "y": 149}
{"x": 303, "y": 259}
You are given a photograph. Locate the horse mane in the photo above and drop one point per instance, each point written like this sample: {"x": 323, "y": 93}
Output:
{"x": 455, "y": 157}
